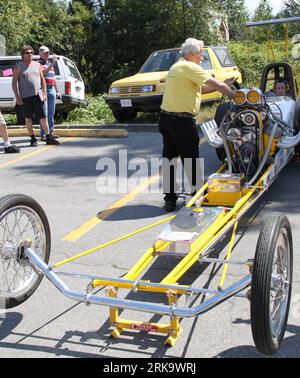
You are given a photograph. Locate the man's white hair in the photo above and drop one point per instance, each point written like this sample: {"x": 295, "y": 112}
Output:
{"x": 191, "y": 46}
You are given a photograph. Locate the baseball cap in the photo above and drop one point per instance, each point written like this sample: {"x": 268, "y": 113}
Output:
{"x": 44, "y": 49}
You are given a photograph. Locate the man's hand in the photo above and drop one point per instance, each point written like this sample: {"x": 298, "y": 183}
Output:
{"x": 230, "y": 81}
{"x": 19, "y": 100}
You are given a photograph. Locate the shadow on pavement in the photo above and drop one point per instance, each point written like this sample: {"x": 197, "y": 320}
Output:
{"x": 8, "y": 322}
{"x": 290, "y": 348}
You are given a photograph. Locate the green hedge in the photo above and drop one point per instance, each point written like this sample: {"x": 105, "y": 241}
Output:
{"x": 97, "y": 112}
{"x": 251, "y": 58}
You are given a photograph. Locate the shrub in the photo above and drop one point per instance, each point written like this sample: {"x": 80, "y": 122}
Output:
{"x": 251, "y": 58}
{"x": 97, "y": 112}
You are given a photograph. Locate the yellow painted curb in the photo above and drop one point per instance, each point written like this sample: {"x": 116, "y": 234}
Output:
{"x": 78, "y": 133}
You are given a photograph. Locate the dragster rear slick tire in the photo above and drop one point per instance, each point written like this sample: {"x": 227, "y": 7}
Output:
{"x": 22, "y": 222}
{"x": 272, "y": 284}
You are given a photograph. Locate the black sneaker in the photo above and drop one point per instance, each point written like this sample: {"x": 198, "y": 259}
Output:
{"x": 52, "y": 141}
{"x": 13, "y": 149}
{"x": 170, "y": 206}
{"x": 33, "y": 142}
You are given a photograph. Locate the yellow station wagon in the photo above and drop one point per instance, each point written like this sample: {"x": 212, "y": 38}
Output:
{"x": 143, "y": 92}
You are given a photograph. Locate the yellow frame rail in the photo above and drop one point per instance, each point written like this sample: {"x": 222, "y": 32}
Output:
{"x": 227, "y": 219}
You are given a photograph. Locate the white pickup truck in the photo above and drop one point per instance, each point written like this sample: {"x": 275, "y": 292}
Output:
{"x": 69, "y": 83}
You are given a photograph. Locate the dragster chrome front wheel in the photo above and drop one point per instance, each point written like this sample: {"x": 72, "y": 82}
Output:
{"x": 23, "y": 224}
{"x": 272, "y": 284}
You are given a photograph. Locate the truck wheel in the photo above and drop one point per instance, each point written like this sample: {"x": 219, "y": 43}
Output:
{"x": 23, "y": 224}
{"x": 272, "y": 284}
{"x": 65, "y": 116}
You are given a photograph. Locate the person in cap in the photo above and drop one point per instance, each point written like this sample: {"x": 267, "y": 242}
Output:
{"x": 47, "y": 67}
{"x": 29, "y": 87}
{"x": 185, "y": 83}
{"x": 8, "y": 148}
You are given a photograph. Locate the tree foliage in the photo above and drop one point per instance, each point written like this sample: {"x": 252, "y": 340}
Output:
{"x": 237, "y": 15}
{"x": 291, "y": 9}
{"x": 110, "y": 39}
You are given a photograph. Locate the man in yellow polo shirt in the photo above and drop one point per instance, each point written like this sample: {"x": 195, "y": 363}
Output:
{"x": 185, "y": 83}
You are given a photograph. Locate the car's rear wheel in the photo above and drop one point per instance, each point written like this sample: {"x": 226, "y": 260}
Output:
{"x": 65, "y": 116}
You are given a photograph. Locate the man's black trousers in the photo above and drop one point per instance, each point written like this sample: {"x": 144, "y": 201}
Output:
{"x": 180, "y": 139}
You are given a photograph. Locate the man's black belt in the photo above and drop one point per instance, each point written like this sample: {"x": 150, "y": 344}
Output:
{"x": 178, "y": 114}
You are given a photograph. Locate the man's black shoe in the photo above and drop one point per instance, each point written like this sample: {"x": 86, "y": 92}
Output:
{"x": 170, "y": 206}
{"x": 52, "y": 141}
{"x": 12, "y": 149}
{"x": 33, "y": 142}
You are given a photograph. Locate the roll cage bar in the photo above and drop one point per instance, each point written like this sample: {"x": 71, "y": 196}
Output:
{"x": 289, "y": 76}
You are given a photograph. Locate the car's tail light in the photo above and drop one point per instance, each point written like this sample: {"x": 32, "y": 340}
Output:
{"x": 67, "y": 87}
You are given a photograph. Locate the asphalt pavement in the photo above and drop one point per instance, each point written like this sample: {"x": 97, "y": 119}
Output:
{"x": 68, "y": 182}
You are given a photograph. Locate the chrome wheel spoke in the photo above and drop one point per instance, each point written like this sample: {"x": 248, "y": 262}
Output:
{"x": 18, "y": 225}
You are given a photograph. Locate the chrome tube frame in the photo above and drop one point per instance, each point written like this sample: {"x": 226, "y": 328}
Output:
{"x": 87, "y": 298}
{"x": 289, "y": 142}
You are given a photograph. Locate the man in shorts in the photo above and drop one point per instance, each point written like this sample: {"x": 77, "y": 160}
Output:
{"x": 30, "y": 89}
{"x": 9, "y": 148}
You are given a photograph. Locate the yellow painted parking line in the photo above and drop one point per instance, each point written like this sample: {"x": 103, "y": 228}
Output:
{"x": 26, "y": 156}
{"x": 94, "y": 221}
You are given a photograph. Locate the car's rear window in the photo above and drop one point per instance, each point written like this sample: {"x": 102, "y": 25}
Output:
{"x": 56, "y": 69}
{"x": 72, "y": 69}
{"x": 223, "y": 57}
{"x": 7, "y": 66}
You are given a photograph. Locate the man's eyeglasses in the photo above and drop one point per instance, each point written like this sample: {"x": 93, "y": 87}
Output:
{"x": 29, "y": 52}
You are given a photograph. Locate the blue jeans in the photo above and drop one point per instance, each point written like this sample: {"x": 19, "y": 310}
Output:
{"x": 49, "y": 109}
